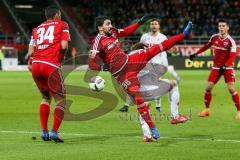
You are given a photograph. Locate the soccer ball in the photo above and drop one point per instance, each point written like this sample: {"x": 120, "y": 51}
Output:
{"x": 97, "y": 83}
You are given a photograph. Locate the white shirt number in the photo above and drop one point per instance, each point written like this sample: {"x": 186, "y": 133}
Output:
{"x": 42, "y": 35}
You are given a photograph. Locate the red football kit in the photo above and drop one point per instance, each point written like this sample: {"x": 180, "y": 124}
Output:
{"x": 46, "y": 62}
{"x": 225, "y": 52}
{"x": 107, "y": 50}
{"x": 47, "y": 57}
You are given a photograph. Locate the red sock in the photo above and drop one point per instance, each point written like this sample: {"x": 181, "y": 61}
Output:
{"x": 235, "y": 98}
{"x": 144, "y": 112}
{"x": 207, "y": 99}
{"x": 141, "y": 106}
{"x": 44, "y": 114}
{"x": 58, "y": 116}
{"x": 165, "y": 45}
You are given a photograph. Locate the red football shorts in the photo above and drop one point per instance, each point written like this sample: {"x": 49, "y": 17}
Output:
{"x": 48, "y": 79}
{"x": 229, "y": 76}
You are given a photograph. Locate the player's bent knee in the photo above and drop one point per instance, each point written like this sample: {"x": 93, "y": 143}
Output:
{"x": 173, "y": 83}
{"x": 61, "y": 103}
{"x": 209, "y": 87}
{"x": 231, "y": 88}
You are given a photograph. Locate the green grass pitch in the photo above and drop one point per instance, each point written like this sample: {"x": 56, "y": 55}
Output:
{"x": 111, "y": 136}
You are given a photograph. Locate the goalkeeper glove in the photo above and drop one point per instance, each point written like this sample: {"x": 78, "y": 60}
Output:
{"x": 145, "y": 18}
{"x": 191, "y": 57}
{"x": 222, "y": 69}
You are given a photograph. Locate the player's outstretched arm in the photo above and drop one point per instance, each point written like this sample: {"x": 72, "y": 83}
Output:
{"x": 204, "y": 48}
{"x": 132, "y": 28}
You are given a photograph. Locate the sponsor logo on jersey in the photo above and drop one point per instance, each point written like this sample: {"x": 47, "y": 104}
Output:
{"x": 225, "y": 44}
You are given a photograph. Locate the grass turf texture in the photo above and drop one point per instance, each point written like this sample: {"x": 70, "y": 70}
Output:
{"x": 110, "y": 136}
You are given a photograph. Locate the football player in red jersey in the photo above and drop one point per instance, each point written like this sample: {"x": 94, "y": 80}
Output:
{"x": 106, "y": 50}
{"x": 49, "y": 43}
{"x": 225, "y": 52}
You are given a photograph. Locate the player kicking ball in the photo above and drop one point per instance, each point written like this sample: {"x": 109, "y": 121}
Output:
{"x": 225, "y": 52}
{"x": 148, "y": 39}
{"x": 47, "y": 47}
{"x": 152, "y": 87}
{"x": 105, "y": 48}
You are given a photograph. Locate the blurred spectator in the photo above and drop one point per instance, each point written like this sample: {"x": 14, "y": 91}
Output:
{"x": 173, "y": 14}
{"x": 1, "y": 58}
{"x": 17, "y": 39}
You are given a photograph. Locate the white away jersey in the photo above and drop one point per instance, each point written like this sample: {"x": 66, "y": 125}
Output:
{"x": 148, "y": 39}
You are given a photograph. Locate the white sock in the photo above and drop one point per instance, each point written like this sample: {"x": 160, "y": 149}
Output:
{"x": 128, "y": 100}
{"x": 173, "y": 72}
{"x": 173, "y": 98}
{"x": 158, "y": 102}
{"x": 145, "y": 127}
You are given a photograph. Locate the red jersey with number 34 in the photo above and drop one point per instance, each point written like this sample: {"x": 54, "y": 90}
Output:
{"x": 47, "y": 39}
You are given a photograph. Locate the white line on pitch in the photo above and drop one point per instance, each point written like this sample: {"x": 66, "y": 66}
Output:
{"x": 89, "y": 135}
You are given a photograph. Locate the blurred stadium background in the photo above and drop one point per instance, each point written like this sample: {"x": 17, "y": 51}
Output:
{"x": 19, "y": 17}
{"x": 111, "y": 136}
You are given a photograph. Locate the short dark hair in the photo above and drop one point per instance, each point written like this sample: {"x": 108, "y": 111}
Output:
{"x": 100, "y": 20}
{"x": 137, "y": 46}
{"x": 155, "y": 19}
{"x": 222, "y": 20}
{"x": 51, "y": 11}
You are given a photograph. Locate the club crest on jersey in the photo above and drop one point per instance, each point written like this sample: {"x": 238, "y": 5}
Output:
{"x": 225, "y": 44}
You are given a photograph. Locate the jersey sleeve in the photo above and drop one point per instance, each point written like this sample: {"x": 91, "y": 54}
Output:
{"x": 65, "y": 32}
{"x": 206, "y": 46}
{"x": 233, "y": 46}
{"x": 95, "y": 62}
{"x": 232, "y": 54}
{"x": 128, "y": 30}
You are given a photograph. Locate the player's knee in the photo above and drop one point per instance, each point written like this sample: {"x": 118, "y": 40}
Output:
{"x": 45, "y": 100}
{"x": 231, "y": 89}
{"x": 209, "y": 88}
{"x": 173, "y": 83}
{"x": 61, "y": 103}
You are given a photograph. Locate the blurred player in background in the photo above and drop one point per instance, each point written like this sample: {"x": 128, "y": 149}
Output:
{"x": 105, "y": 49}
{"x": 149, "y": 39}
{"x": 47, "y": 47}
{"x": 225, "y": 52}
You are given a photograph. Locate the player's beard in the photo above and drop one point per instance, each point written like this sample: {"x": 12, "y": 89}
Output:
{"x": 108, "y": 34}
{"x": 154, "y": 31}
